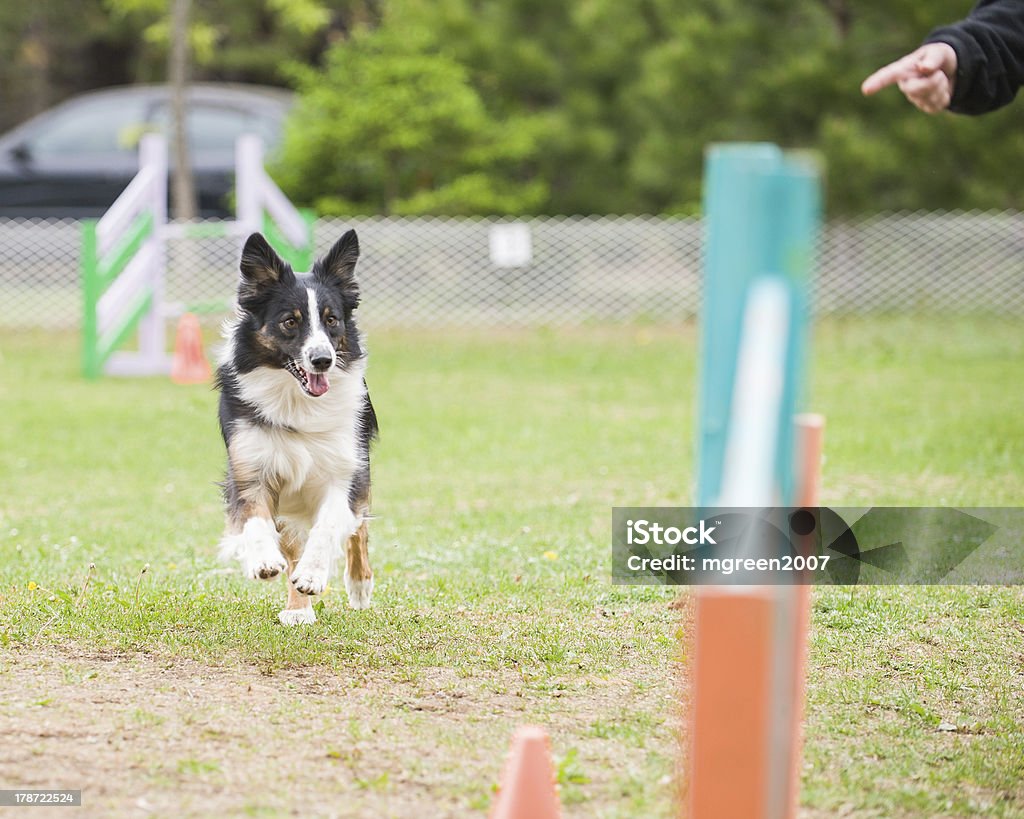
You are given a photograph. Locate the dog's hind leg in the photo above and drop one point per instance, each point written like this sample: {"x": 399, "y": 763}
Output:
{"x": 358, "y": 574}
{"x": 299, "y": 609}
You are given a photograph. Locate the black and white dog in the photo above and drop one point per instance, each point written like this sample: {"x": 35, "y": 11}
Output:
{"x": 297, "y": 423}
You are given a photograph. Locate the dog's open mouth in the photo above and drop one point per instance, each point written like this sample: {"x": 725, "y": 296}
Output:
{"x": 315, "y": 384}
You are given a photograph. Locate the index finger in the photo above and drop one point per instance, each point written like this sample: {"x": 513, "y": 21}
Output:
{"x": 888, "y": 75}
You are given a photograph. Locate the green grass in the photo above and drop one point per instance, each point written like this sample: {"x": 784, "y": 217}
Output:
{"x": 501, "y": 455}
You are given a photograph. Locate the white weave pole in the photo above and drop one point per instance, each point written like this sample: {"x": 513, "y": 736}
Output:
{"x": 748, "y": 475}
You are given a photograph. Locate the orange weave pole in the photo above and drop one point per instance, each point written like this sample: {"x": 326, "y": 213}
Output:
{"x": 731, "y": 678}
{"x": 810, "y": 441}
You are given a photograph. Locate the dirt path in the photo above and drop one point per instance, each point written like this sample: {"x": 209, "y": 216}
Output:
{"x": 152, "y": 736}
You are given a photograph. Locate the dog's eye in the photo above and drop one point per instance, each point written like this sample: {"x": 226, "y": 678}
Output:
{"x": 332, "y": 321}
{"x": 289, "y": 323}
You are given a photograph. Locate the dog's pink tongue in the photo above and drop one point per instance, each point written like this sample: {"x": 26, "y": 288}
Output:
{"x": 318, "y": 383}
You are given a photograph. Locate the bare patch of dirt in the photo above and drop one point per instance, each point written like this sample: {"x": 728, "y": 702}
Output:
{"x": 146, "y": 735}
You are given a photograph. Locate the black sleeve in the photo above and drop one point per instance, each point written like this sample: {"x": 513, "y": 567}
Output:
{"x": 989, "y": 48}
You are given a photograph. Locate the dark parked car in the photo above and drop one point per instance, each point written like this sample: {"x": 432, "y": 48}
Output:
{"x": 75, "y": 159}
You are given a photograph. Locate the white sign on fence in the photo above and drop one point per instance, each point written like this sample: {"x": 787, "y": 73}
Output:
{"x": 511, "y": 244}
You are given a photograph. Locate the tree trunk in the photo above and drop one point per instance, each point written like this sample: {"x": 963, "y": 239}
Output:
{"x": 183, "y": 194}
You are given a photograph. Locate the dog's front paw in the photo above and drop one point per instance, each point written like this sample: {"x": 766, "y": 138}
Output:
{"x": 265, "y": 568}
{"x": 263, "y": 560}
{"x": 297, "y": 617}
{"x": 359, "y": 592}
{"x": 257, "y": 550}
{"x": 309, "y": 578}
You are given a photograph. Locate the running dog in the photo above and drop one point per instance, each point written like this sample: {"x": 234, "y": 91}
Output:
{"x": 297, "y": 422}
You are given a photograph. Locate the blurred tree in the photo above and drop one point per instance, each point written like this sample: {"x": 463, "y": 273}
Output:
{"x": 50, "y": 49}
{"x": 243, "y": 40}
{"x": 614, "y": 103}
{"x": 790, "y": 72}
{"x": 558, "y": 73}
{"x": 183, "y": 191}
{"x": 393, "y": 126}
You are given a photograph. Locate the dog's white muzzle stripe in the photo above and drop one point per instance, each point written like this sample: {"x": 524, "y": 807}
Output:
{"x": 318, "y": 344}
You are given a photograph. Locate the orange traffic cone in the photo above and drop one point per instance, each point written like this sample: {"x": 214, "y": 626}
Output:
{"x": 190, "y": 365}
{"x": 528, "y": 789}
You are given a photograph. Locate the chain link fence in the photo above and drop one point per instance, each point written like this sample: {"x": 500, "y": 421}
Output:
{"x": 442, "y": 271}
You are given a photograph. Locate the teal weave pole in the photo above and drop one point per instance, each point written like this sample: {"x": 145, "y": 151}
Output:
{"x": 762, "y": 216}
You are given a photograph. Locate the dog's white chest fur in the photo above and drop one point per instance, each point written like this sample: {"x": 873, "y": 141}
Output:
{"x": 310, "y": 444}
{"x": 279, "y": 399}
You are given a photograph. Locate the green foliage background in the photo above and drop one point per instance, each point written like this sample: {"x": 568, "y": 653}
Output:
{"x": 464, "y": 107}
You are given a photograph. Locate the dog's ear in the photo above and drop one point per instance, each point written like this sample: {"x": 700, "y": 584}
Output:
{"x": 261, "y": 267}
{"x": 338, "y": 267}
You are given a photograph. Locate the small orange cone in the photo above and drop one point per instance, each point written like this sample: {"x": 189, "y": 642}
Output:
{"x": 190, "y": 365}
{"x": 528, "y": 789}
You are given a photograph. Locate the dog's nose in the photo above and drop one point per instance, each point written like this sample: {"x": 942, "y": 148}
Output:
{"x": 321, "y": 359}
